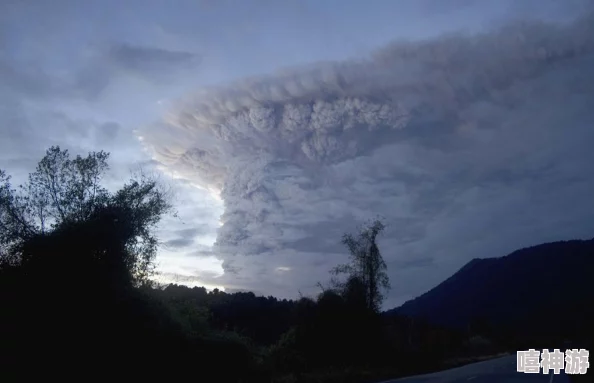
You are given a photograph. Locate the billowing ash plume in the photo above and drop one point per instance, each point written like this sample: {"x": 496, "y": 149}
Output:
{"x": 306, "y": 153}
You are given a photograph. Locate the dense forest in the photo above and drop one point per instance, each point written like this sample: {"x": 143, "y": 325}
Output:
{"x": 77, "y": 299}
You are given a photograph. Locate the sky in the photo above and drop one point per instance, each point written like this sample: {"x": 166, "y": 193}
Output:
{"x": 466, "y": 125}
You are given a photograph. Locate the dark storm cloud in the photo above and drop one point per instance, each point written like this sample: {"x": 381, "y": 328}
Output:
{"x": 179, "y": 242}
{"x": 118, "y": 61}
{"x": 185, "y": 238}
{"x": 151, "y": 61}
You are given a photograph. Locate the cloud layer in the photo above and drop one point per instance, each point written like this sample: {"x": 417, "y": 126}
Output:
{"x": 468, "y": 145}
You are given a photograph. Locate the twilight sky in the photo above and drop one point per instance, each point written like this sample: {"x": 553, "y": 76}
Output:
{"x": 466, "y": 124}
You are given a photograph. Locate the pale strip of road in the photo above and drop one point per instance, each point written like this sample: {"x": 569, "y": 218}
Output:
{"x": 499, "y": 370}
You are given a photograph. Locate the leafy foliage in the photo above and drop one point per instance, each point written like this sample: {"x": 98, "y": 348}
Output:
{"x": 63, "y": 192}
{"x": 75, "y": 260}
{"x": 367, "y": 269}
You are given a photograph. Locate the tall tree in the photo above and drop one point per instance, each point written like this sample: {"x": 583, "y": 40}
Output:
{"x": 64, "y": 192}
{"x": 366, "y": 268}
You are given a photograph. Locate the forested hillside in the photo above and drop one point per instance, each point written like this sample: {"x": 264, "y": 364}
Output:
{"x": 78, "y": 300}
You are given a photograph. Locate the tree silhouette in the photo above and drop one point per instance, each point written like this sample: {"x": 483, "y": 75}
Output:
{"x": 63, "y": 192}
{"x": 367, "y": 267}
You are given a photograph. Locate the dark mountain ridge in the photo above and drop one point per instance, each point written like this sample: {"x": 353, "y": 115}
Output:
{"x": 541, "y": 289}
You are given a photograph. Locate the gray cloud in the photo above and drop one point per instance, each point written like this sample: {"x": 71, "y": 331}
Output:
{"x": 66, "y": 79}
{"x": 203, "y": 251}
{"x": 91, "y": 76}
{"x": 29, "y": 128}
{"x": 192, "y": 232}
{"x": 179, "y": 242}
{"x": 150, "y": 61}
{"x": 106, "y": 133}
{"x": 469, "y": 145}
{"x": 200, "y": 279}
{"x": 186, "y": 238}
{"x": 31, "y": 80}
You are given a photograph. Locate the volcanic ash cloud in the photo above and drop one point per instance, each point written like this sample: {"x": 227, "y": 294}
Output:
{"x": 302, "y": 155}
